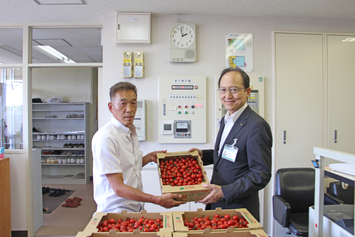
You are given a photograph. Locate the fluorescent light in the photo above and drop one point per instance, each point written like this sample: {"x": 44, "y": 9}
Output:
{"x": 10, "y": 49}
{"x": 348, "y": 39}
{"x": 53, "y": 53}
{"x": 60, "y": 2}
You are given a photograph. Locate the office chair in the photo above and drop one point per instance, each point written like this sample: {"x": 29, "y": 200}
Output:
{"x": 294, "y": 194}
{"x": 343, "y": 192}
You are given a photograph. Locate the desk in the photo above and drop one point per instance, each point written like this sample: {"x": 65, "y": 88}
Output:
{"x": 5, "y": 197}
{"x": 319, "y": 225}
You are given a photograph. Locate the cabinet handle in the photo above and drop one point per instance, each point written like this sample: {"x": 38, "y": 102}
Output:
{"x": 284, "y": 137}
{"x": 335, "y": 136}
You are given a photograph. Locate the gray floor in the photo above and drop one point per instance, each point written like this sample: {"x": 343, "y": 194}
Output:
{"x": 65, "y": 221}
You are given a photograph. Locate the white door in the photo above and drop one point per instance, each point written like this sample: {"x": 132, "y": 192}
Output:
{"x": 341, "y": 81}
{"x": 299, "y": 101}
{"x": 299, "y": 98}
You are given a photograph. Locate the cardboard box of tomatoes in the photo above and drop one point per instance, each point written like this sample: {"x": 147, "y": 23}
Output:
{"x": 226, "y": 233}
{"x": 217, "y": 220}
{"x": 125, "y": 234}
{"x": 182, "y": 173}
{"x": 144, "y": 222}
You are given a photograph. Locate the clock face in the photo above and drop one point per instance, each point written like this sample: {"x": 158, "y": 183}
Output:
{"x": 182, "y": 36}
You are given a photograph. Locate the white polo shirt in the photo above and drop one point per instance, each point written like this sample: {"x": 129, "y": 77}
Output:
{"x": 115, "y": 149}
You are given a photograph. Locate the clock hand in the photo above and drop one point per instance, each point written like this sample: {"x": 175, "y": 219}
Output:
{"x": 184, "y": 34}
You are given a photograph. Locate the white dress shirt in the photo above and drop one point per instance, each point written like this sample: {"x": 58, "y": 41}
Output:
{"x": 229, "y": 121}
{"x": 115, "y": 149}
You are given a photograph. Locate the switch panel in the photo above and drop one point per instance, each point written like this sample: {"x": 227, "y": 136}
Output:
{"x": 127, "y": 64}
{"x": 138, "y": 64}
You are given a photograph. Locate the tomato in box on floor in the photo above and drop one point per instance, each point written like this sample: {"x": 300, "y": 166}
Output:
{"x": 215, "y": 222}
{"x": 129, "y": 224}
{"x": 181, "y": 172}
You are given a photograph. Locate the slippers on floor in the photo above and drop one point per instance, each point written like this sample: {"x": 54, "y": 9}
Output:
{"x": 77, "y": 199}
{"x": 70, "y": 204}
{"x": 69, "y": 200}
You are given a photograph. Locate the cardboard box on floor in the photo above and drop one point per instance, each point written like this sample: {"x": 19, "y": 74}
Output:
{"x": 179, "y": 216}
{"x": 125, "y": 234}
{"x": 189, "y": 193}
{"x": 101, "y": 216}
{"x": 226, "y": 233}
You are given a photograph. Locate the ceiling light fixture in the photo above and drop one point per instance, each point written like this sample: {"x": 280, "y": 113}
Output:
{"x": 10, "y": 49}
{"x": 348, "y": 39}
{"x": 60, "y": 2}
{"x": 53, "y": 42}
{"x": 53, "y": 53}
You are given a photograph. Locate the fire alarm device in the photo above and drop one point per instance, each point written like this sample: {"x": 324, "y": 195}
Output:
{"x": 138, "y": 64}
{"x": 127, "y": 64}
{"x": 182, "y": 42}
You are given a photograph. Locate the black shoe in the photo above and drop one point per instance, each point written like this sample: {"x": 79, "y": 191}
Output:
{"x": 45, "y": 190}
{"x": 60, "y": 192}
{"x": 53, "y": 192}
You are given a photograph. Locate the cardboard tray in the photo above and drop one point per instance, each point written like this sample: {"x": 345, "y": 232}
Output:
{"x": 189, "y": 193}
{"x": 179, "y": 216}
{"x": 100, "y": 216}
{"x": 226, "y": 233}
{"x": 125, "y": 234}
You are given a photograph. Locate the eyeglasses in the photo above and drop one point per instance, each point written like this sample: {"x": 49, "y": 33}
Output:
{"x": 233, "y": 90}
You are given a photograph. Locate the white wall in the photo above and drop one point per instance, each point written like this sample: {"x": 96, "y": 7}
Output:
{"x": 71, "y": 84}
{"x": 210, "y": 62}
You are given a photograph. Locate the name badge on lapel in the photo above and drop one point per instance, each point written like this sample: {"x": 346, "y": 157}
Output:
{"x": 230, "y": 151}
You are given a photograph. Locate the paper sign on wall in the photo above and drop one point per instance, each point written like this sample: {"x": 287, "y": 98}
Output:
{"x": 239, "y": 51}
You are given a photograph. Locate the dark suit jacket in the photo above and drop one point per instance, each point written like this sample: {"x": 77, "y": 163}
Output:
{"x": 241, "y": 180}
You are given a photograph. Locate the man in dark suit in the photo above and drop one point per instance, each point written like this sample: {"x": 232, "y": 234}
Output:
{"x": 242, "y": 152}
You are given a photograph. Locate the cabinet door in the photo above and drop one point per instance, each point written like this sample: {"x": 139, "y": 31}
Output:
{"x": 299, "y": 98}
{"x": 341, "y": 81}
{"x": 299, "y": 101}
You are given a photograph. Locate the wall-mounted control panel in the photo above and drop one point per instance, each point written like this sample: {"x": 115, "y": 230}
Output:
{"x": 138, "y": 64}
{"x": 127, "y": 64}
{"x": 182, "y": 109}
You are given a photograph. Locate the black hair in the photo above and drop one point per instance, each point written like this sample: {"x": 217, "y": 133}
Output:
{"x": 245, "y": 77}
{"x": 122, "y": 86}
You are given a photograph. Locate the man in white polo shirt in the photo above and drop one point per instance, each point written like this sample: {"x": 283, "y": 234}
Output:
{"x": 117, "y": 160}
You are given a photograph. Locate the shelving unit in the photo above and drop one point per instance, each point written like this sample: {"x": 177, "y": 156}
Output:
{"x": 61, "y": 132}
{"x": 319, "y": 225}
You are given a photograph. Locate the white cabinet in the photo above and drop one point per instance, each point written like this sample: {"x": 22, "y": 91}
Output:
{"x": 299, "y": 98}
{"x": 61, "y": 132}
{"x": 314, "y": 92}
{"x": 133, "y": 28}
{"x": 341, "y": 84}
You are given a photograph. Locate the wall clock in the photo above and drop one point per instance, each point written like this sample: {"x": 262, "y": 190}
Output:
{"x": 182, "y": 44}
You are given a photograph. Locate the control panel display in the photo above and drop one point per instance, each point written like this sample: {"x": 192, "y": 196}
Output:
{"x": 182, "y": 129}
